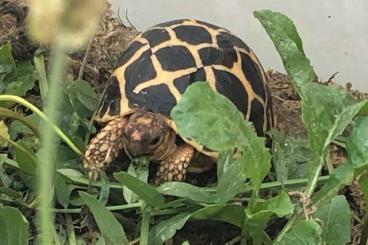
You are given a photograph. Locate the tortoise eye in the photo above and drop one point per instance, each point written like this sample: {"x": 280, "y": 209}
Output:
{"x": 155, "y": 141}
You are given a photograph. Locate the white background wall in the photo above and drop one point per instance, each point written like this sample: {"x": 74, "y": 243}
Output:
{"x": 334, "y": 32}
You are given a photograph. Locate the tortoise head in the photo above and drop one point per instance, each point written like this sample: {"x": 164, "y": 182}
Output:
{"x": 149, "y": 134}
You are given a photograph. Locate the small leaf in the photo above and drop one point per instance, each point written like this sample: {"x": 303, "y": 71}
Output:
{"x": 62, "y": 191}
{"x": 7, "y": 64}
{"x": 303, "y": 233}
{"x": 25, "y": 158}
{"x": 109, "y": 227}
{"x": 287, "y": 41}
{"x": 230, "y": 213}
{"x": 145, "y": 191}
{"x": 13, "y": 227}
{"x": 357, "y": 144}
{"x": 39, "y": 63}
{"x": 166, "y": 229}
{"x": 181, "y": 189}
{"x": 335, "y": 217}
{"x": 343, "y": 175}
{"x": 4, "y": 135}
{"x": 87, "y": 95}
{"x": 10, "y": 192}
{"x": 257, "y": 217}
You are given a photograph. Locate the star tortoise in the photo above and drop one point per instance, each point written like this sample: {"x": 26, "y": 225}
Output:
{"x": 148, "y": 81}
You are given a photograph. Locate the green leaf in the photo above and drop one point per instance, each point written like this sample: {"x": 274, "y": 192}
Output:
{"x": 87, "y": 95}
{"x": 357, "y": 146}
{"x": 181, "y": 189}
{"x": 21, "y": 80}
{"x": 62, "y": 191}
{"x": 343, "y": 175}
{"x": 303, "y": 233}
{"x": 4, "y": 135}
{"x": 109, "y": 227}
{"x": 291, "y": 156}
{"x": 7, "y": 64}
{"x": 335, "y": 217}
{"x": 10, "y": 192}
{"x": 363, "y": 185}
{"x": 257, "y": 217}
{"x": 288, "y": 43}
{"x": 13, "y": 227}
{"x": 145, "y": 191}
{"x": 204, "y": 115}
{"x": 166, "y": 229}
{"x": 25, "y": 158}
{"x": 39, "y": 63}
{"x": 230, "y": 213}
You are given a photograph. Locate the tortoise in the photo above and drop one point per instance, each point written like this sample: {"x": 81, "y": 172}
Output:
{"x": 149, "y": 79}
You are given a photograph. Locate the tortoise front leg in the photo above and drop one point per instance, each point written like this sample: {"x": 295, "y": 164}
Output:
{"x": 104, "y": 147}
{"x": 174, "y": 167}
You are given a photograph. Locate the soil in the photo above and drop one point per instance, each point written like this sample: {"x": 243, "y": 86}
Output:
{"x": 110, "y": 39}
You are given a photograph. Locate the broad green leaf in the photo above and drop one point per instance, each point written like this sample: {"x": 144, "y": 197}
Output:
{"x": 341, "y": 176}
{"x": 229, "y": 213}
{"x": 138, "y": 168}
{"x": 109, "y": 227}
{"x": 87, "y": 95}
{"x": 291, "y": 156}
{"x": 21, "y": 80}
{"x": 357, "y": 144}
{"x": 62, "y": 191}
{"x": 363, "y": 185}
{"x": 13, "y": 227}
{"x": 326, "y": 111}
{"x": 145, "y": 191}
{"x": 204, "y": 115}
{"x": 166, "y": 229}
{"x": 303, "y": 233}
{"x": 286, "y": 39}
{"x": 257, "y": 217}
{"x": 7, "y": 64}
{"x": 335, "y": 218}
{"x": 181, "y": 189}
{"x": 4, "y": 135}
{"x": 25, "y": 158}
{"x": 232, "y": 181}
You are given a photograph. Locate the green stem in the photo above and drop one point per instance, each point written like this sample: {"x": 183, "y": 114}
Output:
{"x": 48, "y": 149}
{"x": 313, "y": 180}
{"x": 33, "y": 108}
{"x": 111, "y": 208}
{"x": 146, "y": 218}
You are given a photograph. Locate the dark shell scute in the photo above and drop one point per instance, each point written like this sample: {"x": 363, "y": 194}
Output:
{"x": 175, "y": 58}
{"x": 183, "y": 82}
{"x": 111, "y": 99}
{"x": 193, "y": 34}
{"x": 256, "y": 116}
{"x": 227, "y": 40}
{"x": 155, "y": 99}
{"x": 139, "y": 71}
{"x": 253, "y": 74}
{"x": 231, "y": 87}
{"x": 215, "y": 56}
{"x": 129, "y": 52}
{"x": 156, "y": 36}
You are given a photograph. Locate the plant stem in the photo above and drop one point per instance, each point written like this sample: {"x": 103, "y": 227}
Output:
{"x": 48, "y": 149}
{"x": 111, "y": 208}
{"x": 315, "y": 175}
{"x": 146, "y": 218}
{"x": 33, "y": 108}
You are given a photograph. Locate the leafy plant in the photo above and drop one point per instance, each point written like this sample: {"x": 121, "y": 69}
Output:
{"x": 246, "y": 195}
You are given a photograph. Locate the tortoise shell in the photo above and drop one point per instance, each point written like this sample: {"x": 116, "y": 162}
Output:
{"x": 159, "y": 64}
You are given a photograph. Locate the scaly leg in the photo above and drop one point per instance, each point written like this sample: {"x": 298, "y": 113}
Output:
{"x": 104, "y": 147}
{"x": 174, "y": 167}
